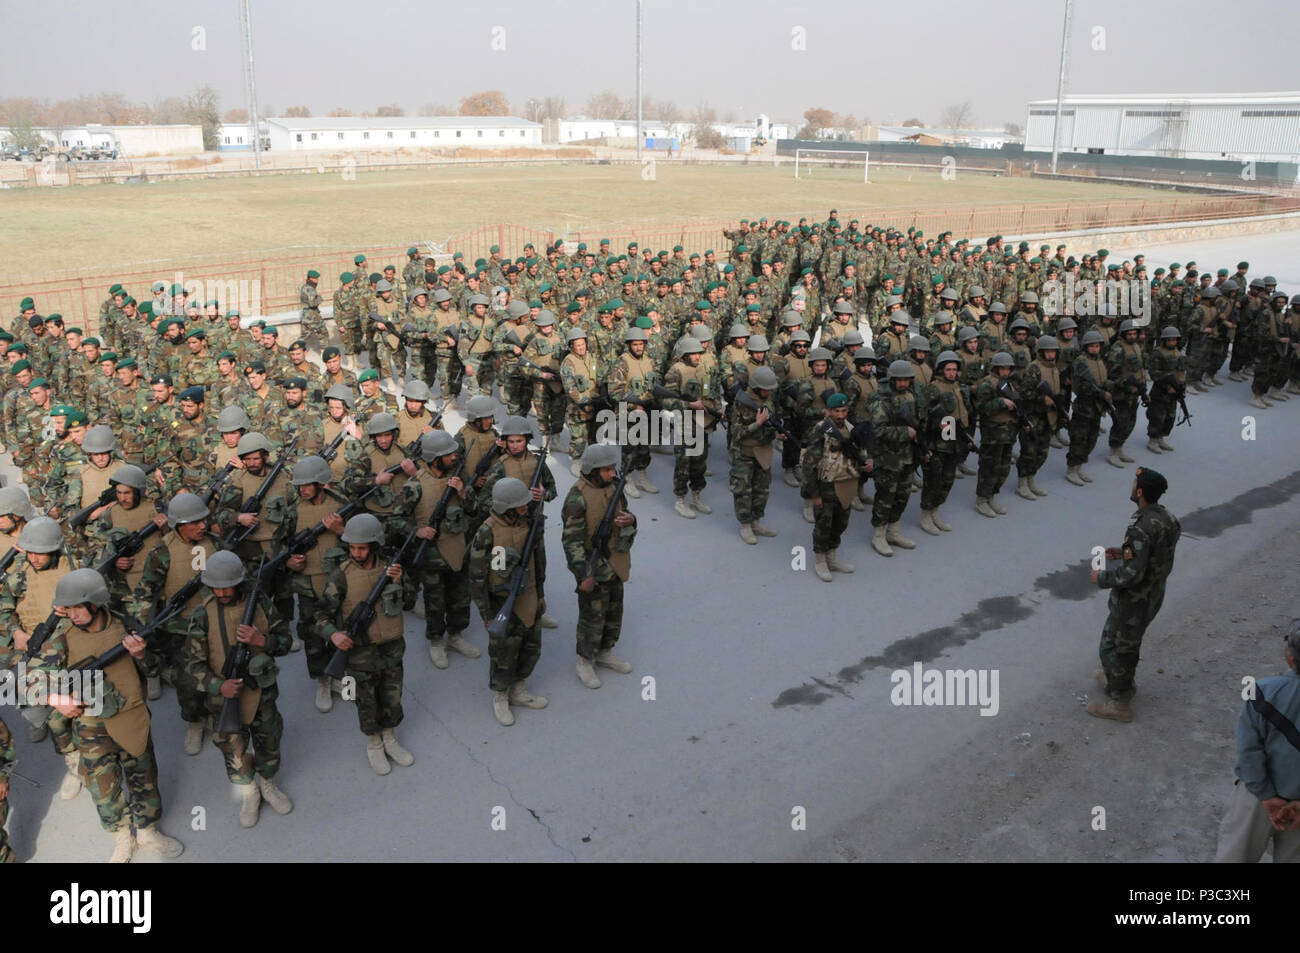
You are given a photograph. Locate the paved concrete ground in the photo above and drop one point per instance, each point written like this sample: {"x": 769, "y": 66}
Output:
{"x": 771, "y": 690}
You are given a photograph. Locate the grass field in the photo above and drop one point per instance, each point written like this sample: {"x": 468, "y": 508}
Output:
{"x": 91, "y": 229}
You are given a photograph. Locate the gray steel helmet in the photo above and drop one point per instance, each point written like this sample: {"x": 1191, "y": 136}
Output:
{"x": 479, "y": 299}
{"x": 41, "y": 535}
{"x": 893, "y": 300}
{"x": 757, "y": 342}
{"x": 545, "y": 318}
{"x": 14, "y": 502}
{"x": 185, "y": 508}
{"x": 1019, "y": 324}
{"x": 948, "y": 294}
{"x": 1028, "y": 297}
{"x": 600, "y": 455}
{"x": 1093, "y": 337}
{"x": 1255, "y": 284}
{"x": 852, "y": 336}
{"x": 81, "y": 586}
{"x": 1171, "y": 332}
{"x": 964, "y": 334}
{"x": 233, "y": 418}
{"x": 1229, "y": 286}
{"x": 943, "y": 317}
{"x": 1002, "y": 359}
{"x": 517, "y": 309}
{"x": 417, "y": 390}
{"x": 738, "y": 331}
{"x": 701, "y": 332}
{"x": 1269, "y": 280}
{"x": 947, "y": 357}
{"x": 128, "y": 475}
{"x": 823, "y": 354}
{"x": 1048, "y": 343}
{"x": 1210, "y": 292}
{"x": 918, "y": 343}
{"x": 441, "y": 294}
{"x": 976, "y": 291}
{"x": 435, "y": 444}
{"x": 1295, "y": 301}
{"x": 338, "y": 392}
{"x": 1128, "y": 324}
{"x": 379, "y": 423}
{"x": 901, "y": 369}
{"x": 311, "y": 469}
{"x": 575, "y": 333}
{"x": 864, "y": 354}
{"x": 635, "y": 334}
{"x": 509, "y": 493}
{"x": 99, "y": 439}
{"x": 1278, "y": 294}
{"x": 224, "y": 570}
{"x": 997, "y": 307}
{"x": 250, "y": 442}
{"x": 790, "y": 319}
{"x": 800, "y": 335}
{"x": 479, "y": 407}
{"x": 383, "y": 284}
{"x": 900, "y": 317}
{"x": 1067, "y": 324}
{"x": 841, "y": 307}
{"x": 763, "y": 378}
{"x": 690, "y": 345}
{"x": 363, "y": 528}
{"x": 514, "y": 426}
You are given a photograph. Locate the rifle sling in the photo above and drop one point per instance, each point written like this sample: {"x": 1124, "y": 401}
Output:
{"x": 1277, "y": 720}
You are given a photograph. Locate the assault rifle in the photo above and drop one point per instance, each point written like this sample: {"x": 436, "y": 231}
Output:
{"x": 745, "y": 399}
{"x": 485, "y": 463}
{"x": 1179, "y": 393}
{"x": 501, "y": 621}
{"x": 145, "y": 631}
{"x": 238, "y": 656}
{"x": 41, "y": 634}
{"x": 358, "y": 625}
{"x": 126, "y": 546}
{"x": 1062, "y": 412}
{"x": 79, "y": 518}
{"x": 857, "y": 445}
{"x": 605, "y": 528}
{"x": 1009, "y": 393}
{"x": 437, "y": 516}
{"x": 331, "y": 451}
{"x": 214, "y": 485}
{"x": 663, "y": 393}
{"x": 8, "y": 559}
{"x": 254, "y": 502}
{"x": 303, "y": 540}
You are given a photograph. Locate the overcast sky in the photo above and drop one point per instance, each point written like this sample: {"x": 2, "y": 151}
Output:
{"x": 881, "y": 60}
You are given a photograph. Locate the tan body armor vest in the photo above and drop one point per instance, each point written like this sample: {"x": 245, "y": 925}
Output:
{"x": 512, "y": 536}
{"x": 597, "y": 501}
{"x": 129, "y": 521}
{"x": 94, "y": 481}
{"x": 248, "y": 486}
{"x": 379, "y": 462}
{"x": 309, "y": 516}
{"x": 384, "y": 628}
{"x": 477, "y": 445}
{"x": 233, "y": 615}
{"x": 34, "y": 607}
{"x": 451, "y": 546}
{"x": 130, "y": 726}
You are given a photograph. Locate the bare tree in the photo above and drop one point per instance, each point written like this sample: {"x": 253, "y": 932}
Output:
{"x": 957, "y": 116}
{"x": 297, "y": 112}
{"x": 235, "y": 115}
{"x": 553, "y": 107}
{"x": 339, "y": 112}
{"x": 913, "y": 123}
{"x": 436, "y": 109}
{"x": 392, "y": 109}
{"x": 665, "y": 111}
{"x": 491, "y": 102}
{"x": 1012, "y": 129}
{"x": 201, "y": 108}
{"x": 606, "y": 105}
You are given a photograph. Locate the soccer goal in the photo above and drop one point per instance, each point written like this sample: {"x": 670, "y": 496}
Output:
{"x": 806, "y": 159}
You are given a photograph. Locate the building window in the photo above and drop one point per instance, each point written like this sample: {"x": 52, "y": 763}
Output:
{"x": 1050, "y": 112}
{"x": 436, "y": 134}
{"x": 521, "y": 133}
{"x": 412, "y": 133}
{"x": 365, "y": 135}
{"x": 228, "y": 140}
{"x": 480, "y": 133}
{"x": 502, "y": 133}
{"x": 1154, "y": 113}
{"x": 240, "y": 140}
{"x": 313, "y": 137}
{"x": 457, "y": 133}
{"x": 390, "y": 134}
{"x": 1268, "y": 113}
{"x": 340, "y": 135}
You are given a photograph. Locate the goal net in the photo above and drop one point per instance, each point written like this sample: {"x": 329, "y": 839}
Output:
{"x": 806, "y": 160}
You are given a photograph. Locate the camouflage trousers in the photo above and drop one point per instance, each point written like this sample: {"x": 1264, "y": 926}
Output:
{"x": 937, "y": 477}
{"x": 635, "y": 457}
{"x": 1084, "y": 431}
{"x": 1161, "y": 413}
{"x": 1123, "y": 420}
{"x": 120, "y": 783}
{"x": 315, "y": 647}
{"x": 549, "y": 408}
{"x": 513, "y": 656}
{"x": 1243, "y": 349}
{"x": 1270, "y": 371}
{"x": 688, "y": 471}
{"x": 389, "y": 361}
{"x": 581, "y": 423}
{"x": 480, "y": 382}
{"x": 446, "y": 600}
{"x": 600, "y": 617}
{"x": 1121, "y": 641}
{"x": 6, "y": 852}
{"x": 750, "y": 483}
{"x": 1034, "y": 445}
{"x": 62, "y": 732}
{"x": 1215, "y": 356}
{"x": 354, "y": 341}
{"x": 264, "y": 734}
{"x": 378, "y": 672}
{"x": 424, "y": 362}
{"x": 995, "y": 462}
{"x": 451, "y": 374}
{"x": 192, "y": 702}
{"x": 516, "y": 391}
{"x": 313, "y": 330}
{"x": 891, "y": 494}
{"x": 830, "y": 519}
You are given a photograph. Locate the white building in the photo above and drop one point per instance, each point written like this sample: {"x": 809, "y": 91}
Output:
{"x": 132, "y": 142}
{"x": 580, "y": 129}
{"x": 393, "y": 132}
{"x": 237, "y": 136}
{"x": 1264, "y": 127}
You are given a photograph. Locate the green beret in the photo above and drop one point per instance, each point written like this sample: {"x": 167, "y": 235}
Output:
{"x": 1160, "y": 271}
{"x": 6, "y": 336}
{"x": 544, "y": 286}
{"x": 644, "y": 323}
{"x": 166, "y": 323}
{"x": 369, "y": 374}
{"x": 480, "y": 264}
{"x": 1223, "y": 272}
{"x": 1035, "y": 260}
{"x": 313, "y": 273}
{"x": 413, "y": 251}
{"x": 741, "y": 248}
{"x": 114, "y": 289}
{"x": 126, "y": 362}
{"x": 494, "y": 249}
{"x": 703, "y": 305}
{"x": 358, "y": 259}
{"x": 837, "y": 400}
{"x": 442, "y": 270}
{"x": 750, "y": 308}
{"x": 146, "y": 308}
{"x": 193, "y": 395}
{"x": 270, "y": 329}
{"x": 211, "y": 303}
{"x": 936, "y": 280}
{"x": 295, "y": 383}
{"x": 1102, "y": 252}
{"x": 572, "y": 307}
{"x": 18, "y": 348}
{"x": 108, "y": 357}
{"x": 78, "y": 418}
{"x": 255, "y": 367}
{"x": 227, "y": 356}
{"x": 728, "y": 269}
{"x": 37, "y": 382}
{"x": 21, "y": 365}
{"x": 457, "y": 256}
{"x": 298, "y": 345}
{"x": 534, "y": 303}
{"x": 197, "y": 333}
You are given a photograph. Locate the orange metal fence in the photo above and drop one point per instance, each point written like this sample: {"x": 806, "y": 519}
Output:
{"x": 269, "y": 282}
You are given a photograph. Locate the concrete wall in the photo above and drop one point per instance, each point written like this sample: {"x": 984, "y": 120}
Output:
{"x": 136, "y": 141}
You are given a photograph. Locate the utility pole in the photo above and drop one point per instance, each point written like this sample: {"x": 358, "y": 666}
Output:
{"x": 1060, "y": 85}
{"x": 250, "y": 79}
{"x": 638, "y": 82}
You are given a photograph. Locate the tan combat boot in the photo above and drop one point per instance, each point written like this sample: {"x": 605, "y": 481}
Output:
{"x": 823, "y": 571}
{"x": 1111, "y": 708}
{"x": 1124, "y": 456}
{"x": 324, "y": 700}
{"x": 587, "y": 674}
{"x": 153, "y": 686}
{"x": 835, "y": 564}
{"x": 1023, "y": 491}
{"x": 123, "y": 844}
{"x": 375, "y": 755}
{"x": 1114, "y": 459}
{"x": 520, "y": 695}
{"x": 1083, "y": 474}
{"x": 548, "y": 621}
{"x": 1035, "y": 488}
{"x": 193, "y": 737}
{"x": 457, "y": 642}
{"x": 501, "y": 709}
{"x": 747, "y": 533}
{"x": 699, "y": 504}
{"x": 762, "y": 529}
{"x": 997, "y": 507}
{"x": 250, "y": 802}
{"x": 273, "y": 796}
{"x": 965, "y": 470}
{"x": 809, "y": 516}
{"x": 683, "y": 509}
{"x": 927, "y": 523}
{"x": 395, "y": 751}
{"x": 1164, "y": 445}
{"x": 606, "y": 658}
{"x": 938, "y": 521}
{"x": 895, "y": 536}
{"x": 643, "y": 482}
{"x": 152, "y": 838}
{"x": 1153, "y": 446}
{"x": 438, "y": 652}
{"x": 791, "y": 479}
{"x": 71, "y": 785}
{"x": 878, "y": 541}
{"x": 983, "y": 509}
